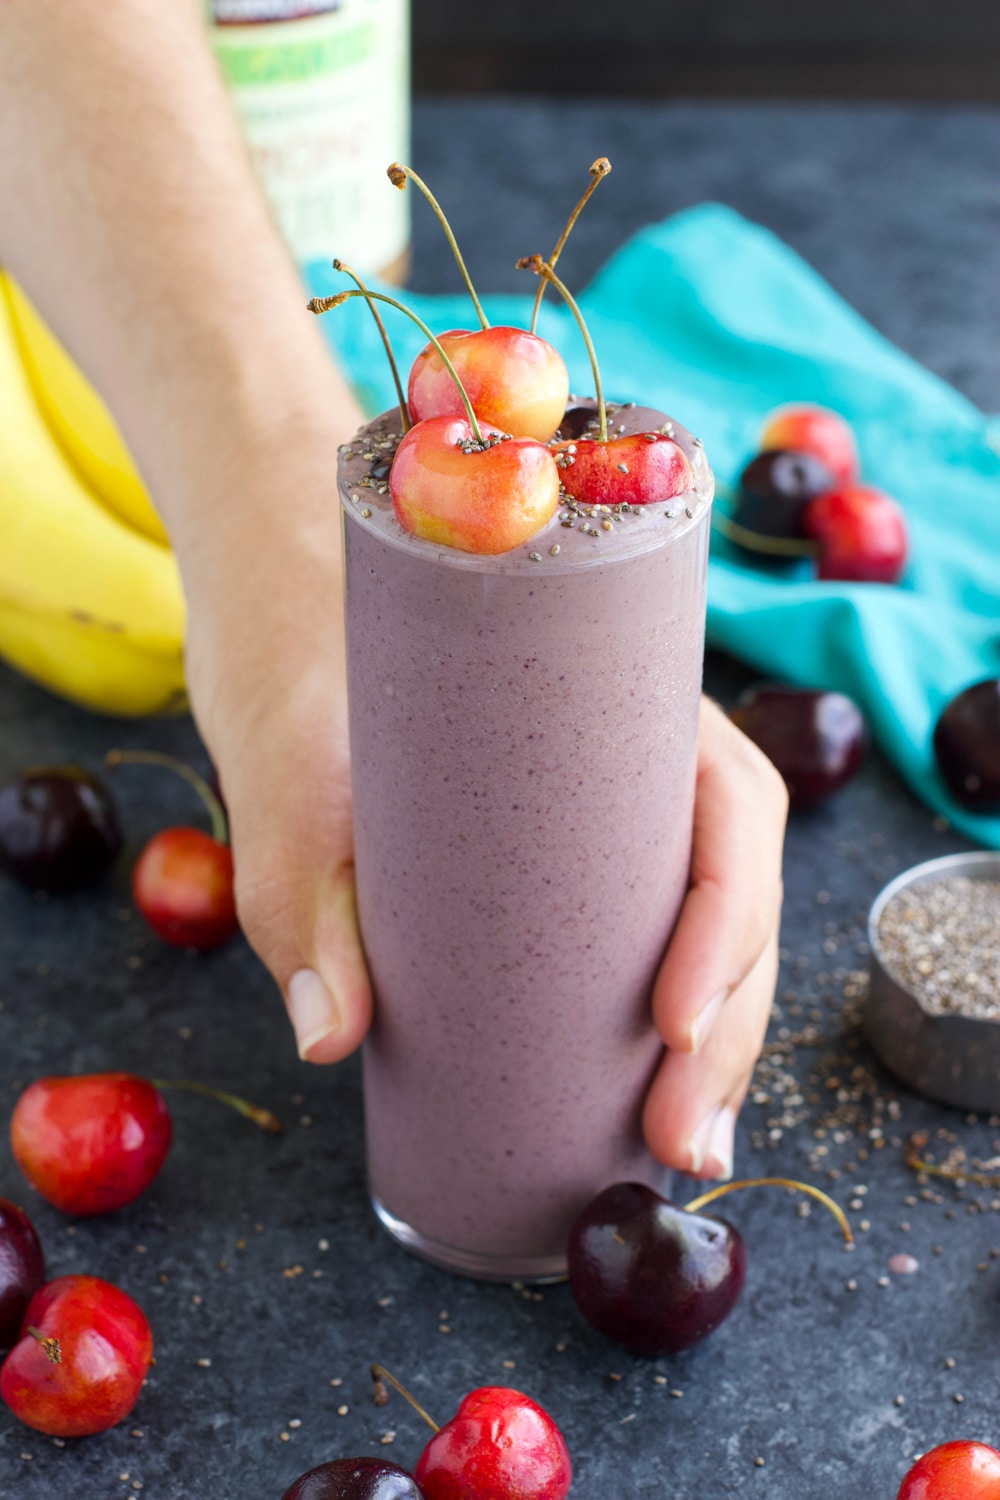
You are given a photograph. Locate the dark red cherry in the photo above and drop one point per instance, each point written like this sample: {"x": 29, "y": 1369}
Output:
{"x": 816, "y": 740}
{"x": 355, "y": 1479}
{"x": 967, "y": 746}
{"x": 580, "y": 416}
{"x": 773, "y": 489}
{"x": 58, "y": 828}
{"x": 22, "y": 1270}
{"x": 650, "y": 1275}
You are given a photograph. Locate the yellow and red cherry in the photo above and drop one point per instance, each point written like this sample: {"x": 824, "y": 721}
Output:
{"x": 183, "y": 881}
{"x": 355, "y": 1479}
{"x": 514, "y": 379}
{"x": 22, "y": 1269}
{"x": 815, "y": 430}
{"x": 499, "y": 1444}
{"x": 639, "y": 469}
{"x": 487, "y": 497}
{"x": 861, "y": 533}
{"x": 815, "y": 739}
{"x": 962, "y": 1470}
{"x": 967, "y": 746}
{"x": 80, "y": 1364}
{"x": 90, "y": 1143}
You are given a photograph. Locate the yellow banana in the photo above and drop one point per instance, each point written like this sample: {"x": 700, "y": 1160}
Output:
{"x": 88, "y": 606}
{"x": 79, "y": 420}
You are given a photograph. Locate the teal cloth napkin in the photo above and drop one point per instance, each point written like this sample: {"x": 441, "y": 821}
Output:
{"x": 715, "y": 321}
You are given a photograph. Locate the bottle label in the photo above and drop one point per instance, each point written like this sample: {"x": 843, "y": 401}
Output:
{"x": 324, "y": 102}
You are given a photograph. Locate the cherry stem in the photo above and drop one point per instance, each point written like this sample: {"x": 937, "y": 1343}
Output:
{"x": 326, "y": 304}
{"x": 397, "y": 174}
{"x": 952, "y": 1174}
{"x": 404, "y": 411}
{"x": 220, "y": 830}
{"x": 51, "y": 1345}
{"x": 756, "y": 541}
{"x": 380, "y": 1373}
{"x": 798, "y": 1187}
{"x": 542, "y": 268}
{"x": 265, "y": 1118}
{"x": 598, "y": 171}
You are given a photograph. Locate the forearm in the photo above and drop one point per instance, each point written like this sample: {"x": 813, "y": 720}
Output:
{"x": 131, "y": 216}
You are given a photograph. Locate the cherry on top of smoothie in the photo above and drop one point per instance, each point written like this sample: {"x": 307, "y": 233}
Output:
{"x": 577, "y": 536}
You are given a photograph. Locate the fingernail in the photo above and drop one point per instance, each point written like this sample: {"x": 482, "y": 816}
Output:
{"x": 711, "y": 1145}
{"x": 706, "y": 1019}
{"x": 312, "y": 1009}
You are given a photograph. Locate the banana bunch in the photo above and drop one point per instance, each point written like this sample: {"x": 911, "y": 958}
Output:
{"x": 90, "y": 597}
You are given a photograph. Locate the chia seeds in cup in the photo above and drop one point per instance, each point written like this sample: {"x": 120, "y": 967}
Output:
{"x": 933, "y": 1016}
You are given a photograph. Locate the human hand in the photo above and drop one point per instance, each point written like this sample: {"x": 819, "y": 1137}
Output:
{"x": 266, "y": 673}
{"x": 712, "y": 996}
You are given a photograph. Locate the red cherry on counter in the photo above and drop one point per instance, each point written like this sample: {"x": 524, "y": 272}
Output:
{"x": 80, "y": 1365}
{"x": 448, "y": 488}
{"x": 183, "y": 881}
{"x": 355, "y": 1479}
{"x": 22, "y": 1269}
{"x": 954, "y": 1471}
{"x": 183, "y": 884}
{"x": 515, "y": 380}
{"x": 816, "y": 740}
{"x": 967, "y": 746}
{"x": 639, "y": 469}
{"x": 817, "y": 431}
{"x": 90, "y": 1143}
{"x": 58, "y": 828}
{"x": 499, "y": 1445}
{"x": 861, "y": 532}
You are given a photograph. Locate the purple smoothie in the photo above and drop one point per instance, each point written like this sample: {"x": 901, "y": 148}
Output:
{"x": 523, "y": 737}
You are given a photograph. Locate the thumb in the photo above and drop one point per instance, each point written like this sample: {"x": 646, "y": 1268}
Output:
{"x": 301, "y": 920}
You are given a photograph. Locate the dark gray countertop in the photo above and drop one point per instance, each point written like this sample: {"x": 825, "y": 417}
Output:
{"x": 834, "y": 1389}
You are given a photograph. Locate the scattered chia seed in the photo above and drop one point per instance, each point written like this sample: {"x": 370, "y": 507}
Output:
{"x": 534, "y": 557}
{"x": 942, "y": 940}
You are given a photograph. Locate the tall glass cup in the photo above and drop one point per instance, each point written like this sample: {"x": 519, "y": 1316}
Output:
{"x": 523, "y": 740}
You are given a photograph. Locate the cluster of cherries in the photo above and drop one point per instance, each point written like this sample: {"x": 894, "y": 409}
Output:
{"x": 802, "y": 496}
{"x": 482, "y": 465}
{"x": 817, "y": 741}
{"x": 60, "y": 830}
{"x": 79, "y": 1346}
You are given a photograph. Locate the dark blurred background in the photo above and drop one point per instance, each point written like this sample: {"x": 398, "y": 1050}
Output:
{"x": 888, "y": 49}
